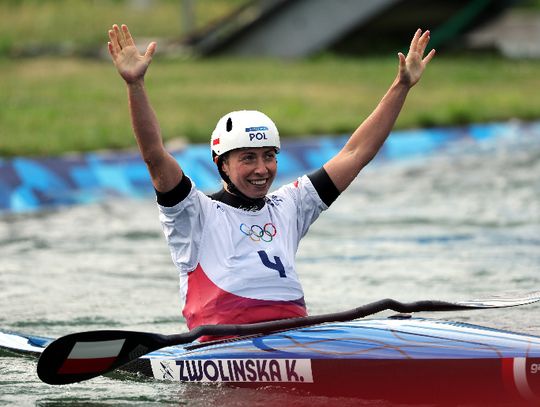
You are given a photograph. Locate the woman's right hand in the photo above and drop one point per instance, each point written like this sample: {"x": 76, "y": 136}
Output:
{"x": 129, "y": 62}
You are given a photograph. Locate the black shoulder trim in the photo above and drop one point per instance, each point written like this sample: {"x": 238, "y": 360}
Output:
{"x": 175, "y": 195}
{"x": 324, "y": 186}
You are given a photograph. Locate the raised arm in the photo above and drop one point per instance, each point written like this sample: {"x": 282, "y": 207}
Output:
{"x": 132, "y": 66}
{"x": 368, "y": 138}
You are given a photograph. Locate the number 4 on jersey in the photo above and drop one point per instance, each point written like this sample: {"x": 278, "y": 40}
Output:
{"x": 277, "y": 265}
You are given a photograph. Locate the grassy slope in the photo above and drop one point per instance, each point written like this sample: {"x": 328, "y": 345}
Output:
{"x": 53, "y": 105}
{"x": 75, "y": 25}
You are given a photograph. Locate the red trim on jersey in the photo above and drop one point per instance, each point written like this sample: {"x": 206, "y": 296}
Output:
{"x": 206, "y": 303}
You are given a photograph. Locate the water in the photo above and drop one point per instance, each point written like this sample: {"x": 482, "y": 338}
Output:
{"x": 459, "y": 225}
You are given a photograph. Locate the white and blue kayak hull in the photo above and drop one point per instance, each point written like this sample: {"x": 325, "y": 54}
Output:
{"x": 406, "y": 360}
{"x": 410, "y": 360}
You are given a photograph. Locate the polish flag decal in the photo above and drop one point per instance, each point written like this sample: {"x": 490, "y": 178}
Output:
{"x": 91, "y": 357}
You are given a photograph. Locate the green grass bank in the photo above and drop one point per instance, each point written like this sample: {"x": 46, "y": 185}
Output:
{"x": 31, "y": 27}
{"x": 55, "y": 99}
{"x": 51, "y": 106}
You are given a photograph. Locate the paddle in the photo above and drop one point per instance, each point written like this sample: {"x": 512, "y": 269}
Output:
{"x": 84, "y": 355}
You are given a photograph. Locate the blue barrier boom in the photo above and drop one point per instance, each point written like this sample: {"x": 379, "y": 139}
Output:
{"x": 30, "y": 184}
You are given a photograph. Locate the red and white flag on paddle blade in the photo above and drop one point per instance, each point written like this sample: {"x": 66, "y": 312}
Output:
{"x": 91, "y": 357}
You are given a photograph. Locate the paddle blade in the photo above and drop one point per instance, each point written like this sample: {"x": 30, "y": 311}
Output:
{"x": 502, "y": 301}
{"x": 82, "y": 356}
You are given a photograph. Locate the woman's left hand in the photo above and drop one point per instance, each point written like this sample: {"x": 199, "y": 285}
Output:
{"x": 412, "y": 66}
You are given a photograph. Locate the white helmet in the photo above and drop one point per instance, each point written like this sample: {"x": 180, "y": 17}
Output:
{"x": 241, "y": 129}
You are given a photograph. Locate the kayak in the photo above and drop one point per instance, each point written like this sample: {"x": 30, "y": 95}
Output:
{"x": 404, "y": 359}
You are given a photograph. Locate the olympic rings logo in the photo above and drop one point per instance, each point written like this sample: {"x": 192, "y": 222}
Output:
{"x": 258, "y": 233}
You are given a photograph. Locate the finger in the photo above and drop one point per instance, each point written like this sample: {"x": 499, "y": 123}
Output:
{"x": 414, "y": 41}
{"x": 423, "y": 41}
{"x": 150, "y": 50}
{"x": 119, "y": 36}
{"x": 114, "y": 41}
{"x": 112, "y": 52}
{"x": 127, "y": 35}
{"x": 402, "y": 61}
{"x": 428, "y": 57}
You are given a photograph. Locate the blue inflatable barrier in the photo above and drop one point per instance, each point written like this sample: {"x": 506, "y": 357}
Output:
{"x": 28, "y": 184}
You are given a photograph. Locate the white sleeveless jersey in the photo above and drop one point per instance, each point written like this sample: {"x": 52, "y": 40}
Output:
{"x": 247, "y": 256}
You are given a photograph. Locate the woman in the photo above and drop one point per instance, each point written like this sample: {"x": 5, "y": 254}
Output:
{"x": 235, "y": 250}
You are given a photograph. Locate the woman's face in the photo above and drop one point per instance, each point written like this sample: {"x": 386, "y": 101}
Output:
{"x": 251, "y": 170}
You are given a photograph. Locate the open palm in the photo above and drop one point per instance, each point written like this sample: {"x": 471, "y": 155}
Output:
{"x": 412, "y": 66}
{"x": 131, "y": 64}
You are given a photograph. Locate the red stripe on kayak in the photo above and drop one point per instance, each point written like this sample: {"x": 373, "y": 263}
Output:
{"x": 507, "y": 371}
{"x": 95, "y": 365}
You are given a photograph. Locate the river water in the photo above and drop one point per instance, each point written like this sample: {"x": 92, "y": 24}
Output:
{"x": 461, "y": 224}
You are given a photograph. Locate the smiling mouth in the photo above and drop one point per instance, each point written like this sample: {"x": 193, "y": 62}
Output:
{"x": 258, "y": 182}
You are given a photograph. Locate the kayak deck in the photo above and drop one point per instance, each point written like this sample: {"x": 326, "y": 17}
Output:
{"x": 23, "y": 344}
{"x": 407, "y": 338}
